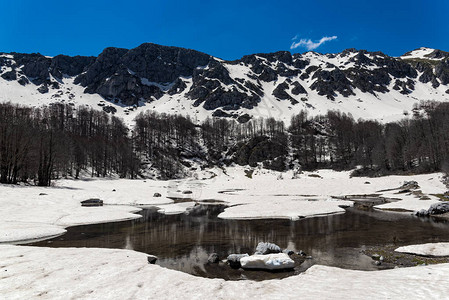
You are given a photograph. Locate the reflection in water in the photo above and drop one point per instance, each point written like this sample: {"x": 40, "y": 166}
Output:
{"x": 183, "y": 242}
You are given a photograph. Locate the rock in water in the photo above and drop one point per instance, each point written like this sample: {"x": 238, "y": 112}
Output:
{"x": 278, "y": 261}
{"x": 288, "y": 252}
{"x": 152, "y": 259}
{"x": 213, "y": 258}
{"x": 438, "y": 208}
{"x": 267, "y": 248}
{"x": 376, "y": 256}
{"x": 435, "y": 209}
{"x": 234, "y": 260}
{"x": 422, "y": 213}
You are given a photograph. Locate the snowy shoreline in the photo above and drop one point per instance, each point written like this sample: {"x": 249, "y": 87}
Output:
{"x": 30, "y": 212}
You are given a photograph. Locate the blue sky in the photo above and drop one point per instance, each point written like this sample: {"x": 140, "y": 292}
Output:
{"x": 226, "y": 29}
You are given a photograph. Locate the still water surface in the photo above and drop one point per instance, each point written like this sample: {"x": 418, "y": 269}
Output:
{"x": 183, "y": 242}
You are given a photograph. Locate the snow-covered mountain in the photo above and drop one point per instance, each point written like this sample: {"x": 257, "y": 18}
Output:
{"x": 176, "y": 80}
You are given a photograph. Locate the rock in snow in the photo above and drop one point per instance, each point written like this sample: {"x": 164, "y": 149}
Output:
{"x": 277, "y": 261}
{"x": 92, "y": 202}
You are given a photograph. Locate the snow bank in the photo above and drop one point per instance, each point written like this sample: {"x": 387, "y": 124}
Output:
{"x": 265, "y": 195}
{"x": 276, "y": 261}
{"x": 430, "y": 249}
{"x": 67, "y": 273}
{"x": 20, "y": 232}
{"x": 31, "y": 213}
{"x": 409, "y": 203}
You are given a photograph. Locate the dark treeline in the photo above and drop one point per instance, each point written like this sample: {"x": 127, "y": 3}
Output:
{"x": 417, "y": 145}
{"x": 39, "y": 145}
{"x": 334, "y": 140}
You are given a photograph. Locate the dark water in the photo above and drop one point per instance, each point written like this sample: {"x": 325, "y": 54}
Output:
{"x": 183, "y": 242}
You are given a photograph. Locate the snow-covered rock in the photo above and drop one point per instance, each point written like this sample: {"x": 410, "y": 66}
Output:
{"x": 267, "y": 248}
{"x": 278, "y": 261}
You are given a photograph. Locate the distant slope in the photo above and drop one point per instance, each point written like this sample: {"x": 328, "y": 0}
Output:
{"x": 176, "y": 80}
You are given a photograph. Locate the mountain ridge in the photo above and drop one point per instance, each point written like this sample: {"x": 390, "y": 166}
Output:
{"x": 279, "y": 84}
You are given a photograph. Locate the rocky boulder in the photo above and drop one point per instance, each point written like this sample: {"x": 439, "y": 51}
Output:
{"x": 438, "y": 208}
{"x": 234, "y": 260}
{"x": 213, "y": 258}
{"x": 267, "y": 248}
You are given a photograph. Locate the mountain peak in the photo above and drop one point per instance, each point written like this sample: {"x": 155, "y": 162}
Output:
{"x": 425, "y": 53}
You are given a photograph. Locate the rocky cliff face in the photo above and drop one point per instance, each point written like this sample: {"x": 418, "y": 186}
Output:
{"x": 234, "y": 88}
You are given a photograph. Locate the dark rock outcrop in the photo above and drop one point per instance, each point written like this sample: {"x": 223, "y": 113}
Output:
{"x": 327, "y": 83}
{"x": 280, "y": 93}
{"x": 298, "y": 88}
{"x": 10, "y": 75}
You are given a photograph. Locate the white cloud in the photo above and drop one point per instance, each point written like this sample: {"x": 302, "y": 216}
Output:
{"x": 310, "y": 45}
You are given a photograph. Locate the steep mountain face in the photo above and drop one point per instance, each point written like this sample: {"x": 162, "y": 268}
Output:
{"x": 177, "y": 80}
